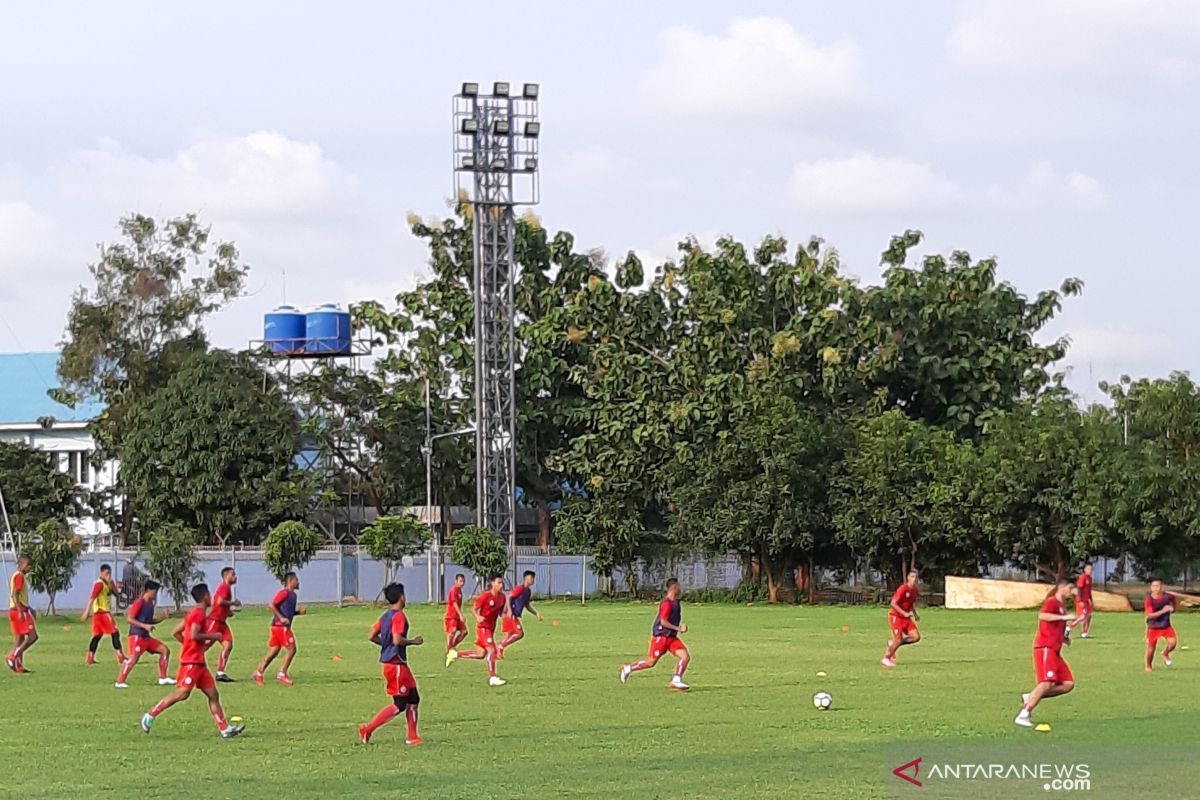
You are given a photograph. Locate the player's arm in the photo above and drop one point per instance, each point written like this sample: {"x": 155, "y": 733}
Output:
{"x": 665, "y": 621}
{"x": 400, "y": 640}
{"x": 130, "y": 615}
{"x": 458, "y": 611}
{"x": 900, "y": 612}
{"x": 374, "y": 637}
{"x": 178, "y": 632}
{"x": 13, "y": 600}
{"x": 475, "y": 612}
{"x": 1046, "y": 616}
{"x": 87, "y": 612}
{"x": 198, "y": 634}
{"x": 533, "y": 611}
{"x": 278, "y": 614}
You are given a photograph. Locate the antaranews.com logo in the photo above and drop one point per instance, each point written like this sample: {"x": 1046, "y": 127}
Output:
{"x": 1054, "y": 776}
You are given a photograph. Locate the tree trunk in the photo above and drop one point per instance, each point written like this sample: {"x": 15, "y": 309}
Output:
{"x": 756, "y": 570}
{"x": 51, "y": 611}
{"x": 543, "y": 522}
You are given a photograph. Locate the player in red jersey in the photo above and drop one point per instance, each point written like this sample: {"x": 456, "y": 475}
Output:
{"x": 99, "y": 608}
{"x": 519, "y": 601}
{"x": 193, "y": 668}
{"x": 488, "y": 607}
{"x": 1158, "y": 607}
{"x": 1053, "y": 675}
{"x": 391, "y": 634}
{"x": 21, "y": 618}
{"x": 141, "y": 636}
{"x": 456, "y": 622}
{"x": 284, "y": 610}
{"x": 224, "y": 605}
{"x": 1083, "y": 602}
{"x": 664, "y": 638}
{"x": 902, "y": 617}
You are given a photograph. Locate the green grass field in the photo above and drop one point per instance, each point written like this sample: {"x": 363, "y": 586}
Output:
{"x": 565, "y": 726}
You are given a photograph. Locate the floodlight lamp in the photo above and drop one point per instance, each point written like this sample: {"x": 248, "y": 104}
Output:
{"x": 533, "y": 128}
{"x": 531, "y": 164}
{"x": 470, "y": 125}
{"x": 468, "y": 162}
{"x": 470, "y": 89}
{"x": 500, "y": 164}
{"x": 500, "y": 127}
{"x": 500, "y": 89}
{"x": 529, "y": 91}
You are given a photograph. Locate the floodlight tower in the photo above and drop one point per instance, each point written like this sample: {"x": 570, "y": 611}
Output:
{"x": 496, "y": 168}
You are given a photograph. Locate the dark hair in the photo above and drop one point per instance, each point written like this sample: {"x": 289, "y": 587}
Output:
{"x": 672, "y": 582}
{"x": 529, "y": 574}
{"x": 393, "y": 592}
{"x": 1087, "y": 564}
{"x": 198, "y": 591}
{"x": 913, "y": 572}
{"x": 1062, "y": 583}
{"x": 106, "y": 567}
{"x": 225, "y": 571}
{"x": 151, "y": 586}
{"x": 458, "y": 575}
{"x": 288, "y": 576}
{"x": 493, "y": 577}
{"x": 24, "y": 558}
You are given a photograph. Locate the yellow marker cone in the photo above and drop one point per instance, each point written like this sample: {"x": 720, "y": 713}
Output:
{"x": 236, "y": 720}
{"x": 1042, "y": 728}
{"x": 820, "y": 674}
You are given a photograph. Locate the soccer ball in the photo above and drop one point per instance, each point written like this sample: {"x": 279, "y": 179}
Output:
{"x": 822, "y": 701}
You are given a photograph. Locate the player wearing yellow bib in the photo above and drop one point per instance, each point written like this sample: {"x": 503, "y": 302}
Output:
{"x": 100, "y": 610}
{"x": 20, "y": 617}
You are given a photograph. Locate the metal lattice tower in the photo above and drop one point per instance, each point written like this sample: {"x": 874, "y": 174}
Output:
{"x": 496, "y": 168}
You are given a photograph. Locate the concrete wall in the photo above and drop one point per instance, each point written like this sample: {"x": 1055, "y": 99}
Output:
{"x": 557, "y": 575}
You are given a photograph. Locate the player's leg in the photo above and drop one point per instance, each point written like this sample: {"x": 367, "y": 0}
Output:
{"x": 411, "y": 713}
{"x": 28, "y": 641}
{"x": 658, "y": 646}
{"x": 209, "y": 687}
{"x": 684, "y": 658}
{"x": 1151, "y": 647}
{"x": 128, "y": 664}
{"x": 289, "y": 654}
{"x": 226, "y": 649}
{"x": 92, "y": 645}
{"x": 1171, "y": 641}
{"x": 272, "y": 651}
{"x": 460, "y": 635}
{"x": 489, "y": 658}
{"x": 181, "y": 693}
{"x": 1087, "y": 623}
{"x": 117, "y": 648}
{"x": 516, "y": 634}
{"x": 896, "y": 627}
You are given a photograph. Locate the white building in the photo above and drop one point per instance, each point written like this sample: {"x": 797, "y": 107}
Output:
{"x": 29, "y": 415}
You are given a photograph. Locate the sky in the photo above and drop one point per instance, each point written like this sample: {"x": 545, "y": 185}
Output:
{"x": 1058, "y": 137}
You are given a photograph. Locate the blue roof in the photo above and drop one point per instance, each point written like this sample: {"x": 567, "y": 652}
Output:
{"x": 25, "y": 379}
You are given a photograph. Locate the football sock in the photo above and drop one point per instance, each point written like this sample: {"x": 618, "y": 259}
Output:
{"x": 222, "y": 660}
{"x": 93, "y": 644}
{"x": 219, "y": 718}
{"x": 382, "y": 718}
{"x": 158, "y": 709}
{"x": 512, "y": 637}
{"x": 491, "y": 663}
{"x": 680, "y": 668}
{"x": 643, "y": 664}
{"x": 163, "y": 658}
{"x": 410, "y": 714}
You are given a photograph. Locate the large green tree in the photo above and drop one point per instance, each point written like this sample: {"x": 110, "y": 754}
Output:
{"x": 35, "y": 489}
{"x": 214, "y": 450}
{"x": 127, "y": 334}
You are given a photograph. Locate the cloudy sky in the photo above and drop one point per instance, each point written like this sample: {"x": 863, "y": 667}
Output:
{"x": 1060, "y": 137}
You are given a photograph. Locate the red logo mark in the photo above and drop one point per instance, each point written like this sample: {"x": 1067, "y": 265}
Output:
{"x": 915, "y": 765}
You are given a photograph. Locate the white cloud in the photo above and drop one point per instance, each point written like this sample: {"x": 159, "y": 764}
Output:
{"x": 24, "y": 236}
{"x": 1155, "y": 37}
{"x": 1044, "y": 186}
{"x": 761, "y": 68}
{"x": 261, "y": 175}
{"x": 864, "y": 183}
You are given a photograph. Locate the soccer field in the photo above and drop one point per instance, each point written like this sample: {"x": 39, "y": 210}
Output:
{"x": 564, "y": 725}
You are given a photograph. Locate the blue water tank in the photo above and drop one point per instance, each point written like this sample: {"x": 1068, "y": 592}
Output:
{"x": 284, "y": 330}
{"x": 327, "y": 331}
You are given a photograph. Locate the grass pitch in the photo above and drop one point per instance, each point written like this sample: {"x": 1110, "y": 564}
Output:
{"x": 565, "y": 726}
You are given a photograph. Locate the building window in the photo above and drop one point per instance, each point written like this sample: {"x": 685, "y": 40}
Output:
{"x": 76, "y": 464}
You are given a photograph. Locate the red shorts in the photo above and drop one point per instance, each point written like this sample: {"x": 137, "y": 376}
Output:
{"x": 281, "y": 637}
{"x": 455, "y": 624}
{"x": 1083, "y": 609}
{"x": 511, "y": 624}
{"x": 1154, "y": 634}
{"x": 901, "y": 625}
{"x": 144, "y": 644}
{"x": 1049, "y": 666}
{"x": 485, "y": 637}
{"x": 661, "y": 645}
{"x": 222, "y": 628}
{"x": 400, "y": 680}
{"x": 21, "y": 624}
{"x": 102, "y": 624}
{"x": 194, "y": 676}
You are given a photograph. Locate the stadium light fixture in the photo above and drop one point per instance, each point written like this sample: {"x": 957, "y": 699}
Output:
{"x": 468, "y": 162}
{"x": 530, "y": 164}
{"x": 529, "y": 91}
{"x": 500, "y": 89}
{"x": 470, "y": 126}
{"x": 500, "y": 127}
{"x": 533, "y": 128}
{"x": 500, "y": 164}
{"x": 470, "y": 89}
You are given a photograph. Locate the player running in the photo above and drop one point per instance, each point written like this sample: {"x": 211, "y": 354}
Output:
{"x": 283, "y": 607}
{"x": 141, "y": 636}
{"x": 99, "y": 608}
{"x": 223, "y": 606}
{"x": 520, "y": 600}
{"x": 665, "y": 639}
{"x": 21, "y": 618}
{"x": 487, "y": 608}
{"x": 1158, "y": 607}
{"x": 1083, "y": 601}
{"x": 902, "y": 618}
{"x": 1054, "y": 677}
{"x": 391, "y": 634}
{"x": 456, "y": 622}
{"x": 193, "y": 668}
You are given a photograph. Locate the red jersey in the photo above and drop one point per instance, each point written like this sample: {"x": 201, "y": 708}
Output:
{"x": 905, "y": 597}
{"x": 399, "y": 626}
{"x": 490, "y": 607}
{"x": 1050, "y": 634}
{"x": 455, "y": 599}
{"x": 193, "y": 650}
{"x": 220, "y": 613}
{"x": 1084, "y": 582}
